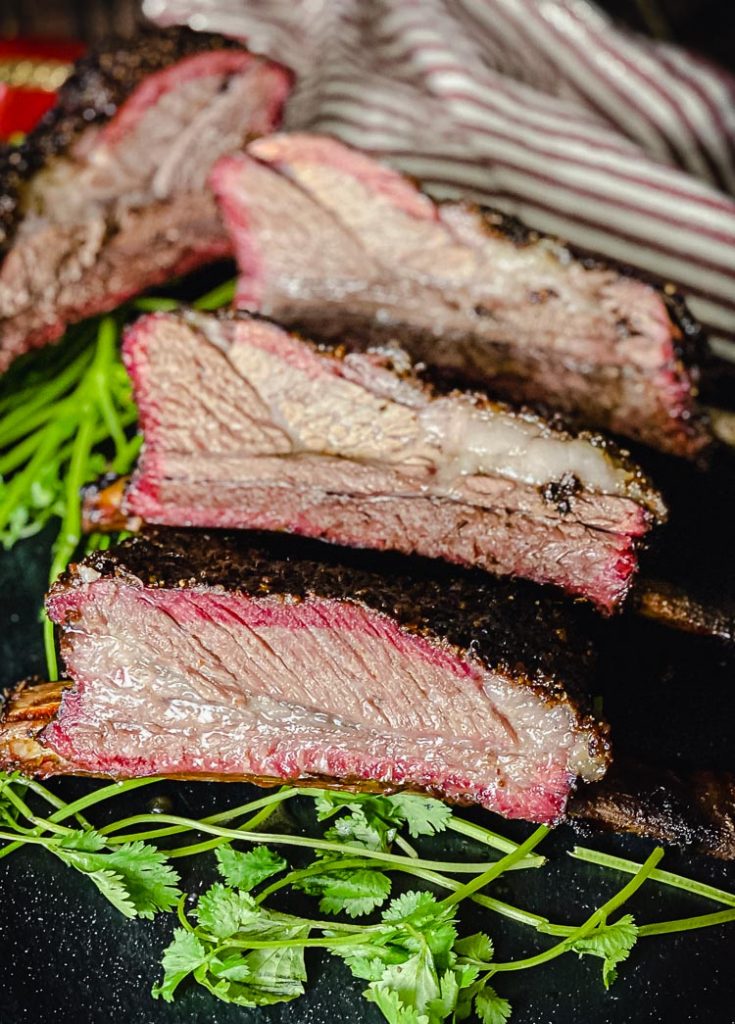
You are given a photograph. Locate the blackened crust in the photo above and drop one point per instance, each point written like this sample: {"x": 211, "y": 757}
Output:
{"x": 690, "y": 347}
{"x": 695, "y": 809}
{"x": 102, "y": 80}
{"x": 512, "y": 627}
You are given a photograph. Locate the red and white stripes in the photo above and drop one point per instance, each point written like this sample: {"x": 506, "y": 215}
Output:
{"x": 542, "y": 108}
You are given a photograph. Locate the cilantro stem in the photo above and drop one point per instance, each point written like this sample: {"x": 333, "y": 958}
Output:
{"x": 98, "y": 796}
{"x": 212, "y": 844}
{"x": 526, "y": 917}
{"x": 23, "y": 480}
{"x": 510, "y": 860}
{"x": 152, "y": 304}
{"x": 41, "y": 399}
{"x": 318, "y": 868}
{"x": 606, "y": 860}
{"x": 404, "y": 845}
{"x": 221, "y": 295}
{"x": 685, "y": 924}
{"x": 286, "y": 793}
{"x": 326, "y": 942}
{"x": 484, "y": 835}
{"x": 598, "y": 917}
{"x": 280, "y": 839}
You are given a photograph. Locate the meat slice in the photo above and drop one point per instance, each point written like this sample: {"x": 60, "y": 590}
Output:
{"x": 343, "y": 248}
{"x": 234, "y": 656}
{"x": 108, "y": 195}
{"x": 696, "y": 810}
{"x": 246, "y": 425}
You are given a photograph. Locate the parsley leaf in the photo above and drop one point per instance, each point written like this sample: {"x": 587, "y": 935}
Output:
{"x": 247, "y": 870}
{"x": 611, "y": 942}
{"x": 353, "y": 892}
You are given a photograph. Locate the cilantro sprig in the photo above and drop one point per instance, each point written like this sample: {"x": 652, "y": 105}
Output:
{"x": 408, "y": 947}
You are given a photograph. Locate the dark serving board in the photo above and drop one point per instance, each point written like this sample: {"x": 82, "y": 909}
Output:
{"x": 67, "y": 956}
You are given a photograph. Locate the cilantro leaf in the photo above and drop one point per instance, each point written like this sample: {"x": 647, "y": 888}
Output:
{"x": 369, "y": 968}
{"x": 224, "y": 912}
{"x": 219, "y": 958}
{"x": 478, "y": 947}
{"x": 385, "y": 814}
{"x": 184, "y": 954}
{"x": 611, "y": 942}
{"x": 354, "y": 829}
{"x": 446, "y": 1003}
{"x": 423, "y": 815}
{"x": 490, "y": 1007}
{"x": 415, "y": 981}
{"x": 85, "y": 840}
{"x": 135, "y": 877}
{"x": 278, "y": 974}
{"x": 352, "y": 892}
{"x": 418, "y": 907}
{"x": 395, "y": 1011}
{"x": 433, "y": 920}
{"x": 247, "y": 870}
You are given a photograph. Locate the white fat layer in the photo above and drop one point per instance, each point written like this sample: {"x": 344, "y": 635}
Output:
{"x": 489, "y": 442}
{"x": 451, "y": 437}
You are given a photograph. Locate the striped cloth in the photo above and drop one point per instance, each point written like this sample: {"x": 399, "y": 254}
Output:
{"x": 541, "y": 108}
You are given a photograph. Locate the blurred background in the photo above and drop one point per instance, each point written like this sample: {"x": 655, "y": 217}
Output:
{"x": 707, "y": 26}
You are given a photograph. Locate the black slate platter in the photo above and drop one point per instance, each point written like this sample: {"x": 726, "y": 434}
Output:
{"x": 66, "y": 956}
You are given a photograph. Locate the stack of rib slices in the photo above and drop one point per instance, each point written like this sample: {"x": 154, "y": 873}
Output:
{"x": 334, "y": 575}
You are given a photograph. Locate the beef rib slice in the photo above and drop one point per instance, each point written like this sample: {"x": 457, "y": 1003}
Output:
{"x": 244, "y": 656}
{"x": 108, "y": 196}
{"x": 337, "y": 245}
{"x": 248, "y": 426}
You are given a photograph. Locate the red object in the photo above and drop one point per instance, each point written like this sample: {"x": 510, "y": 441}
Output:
{"x": 22, "y": 105}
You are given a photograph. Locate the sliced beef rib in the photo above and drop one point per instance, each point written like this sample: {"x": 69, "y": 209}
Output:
{"x": 108, "y": 195}
{"x": 337, "y": 245}
{"x": 246, "y": 425}
{"x": 233, "y": 656}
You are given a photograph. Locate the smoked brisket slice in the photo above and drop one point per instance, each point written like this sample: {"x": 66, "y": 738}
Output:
{"x": 696, "y": 810}
{"x": 107, "y": 196}
{"x": 236, "y": 656}
{"x": 335, "y": 244}
{"x": 248, "y": 426}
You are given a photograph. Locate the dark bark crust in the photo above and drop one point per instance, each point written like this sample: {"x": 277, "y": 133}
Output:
{"x": 511, "y": 627}
{"x": 102, "y": 80}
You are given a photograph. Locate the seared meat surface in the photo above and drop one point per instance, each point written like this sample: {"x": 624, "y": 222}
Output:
{"x": 335, "y": 244}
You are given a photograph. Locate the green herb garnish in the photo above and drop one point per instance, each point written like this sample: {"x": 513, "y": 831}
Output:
{"x": 66, "y": 416}
{"x": 418, "y": 965}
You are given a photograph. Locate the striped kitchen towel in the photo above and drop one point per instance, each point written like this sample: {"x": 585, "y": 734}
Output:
{"x": 542, "y": 108}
